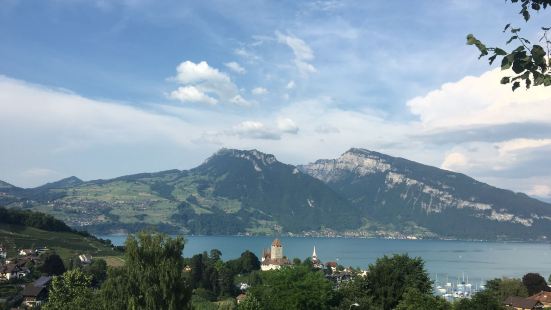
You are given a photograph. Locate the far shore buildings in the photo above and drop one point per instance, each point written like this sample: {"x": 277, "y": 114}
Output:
{"x": 274, "y": 259}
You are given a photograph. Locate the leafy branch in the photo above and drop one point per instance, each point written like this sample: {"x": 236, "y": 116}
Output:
{"x": 530, "y": 63}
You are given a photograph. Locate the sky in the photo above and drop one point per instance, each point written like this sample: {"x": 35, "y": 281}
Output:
{"x": 104, "y": 88}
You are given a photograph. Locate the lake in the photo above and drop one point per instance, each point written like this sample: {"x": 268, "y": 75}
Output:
{"x": 479, "y": 261}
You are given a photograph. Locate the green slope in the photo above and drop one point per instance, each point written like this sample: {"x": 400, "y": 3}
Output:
{"x": 66, "y": 244}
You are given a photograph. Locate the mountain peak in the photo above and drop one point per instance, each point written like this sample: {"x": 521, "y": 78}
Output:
{"x": 251, "y": 155}
{"x": 66, "y": 182}
{"x": 363, "y": 153}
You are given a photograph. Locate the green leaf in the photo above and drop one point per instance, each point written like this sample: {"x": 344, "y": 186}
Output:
{"x": 511, "y": 39}
{"x": 515, "y": 85}
{"x": 506, "y": 62}
{"x": 505, "y": 80}
{"x": 471, "y": 40}
{"x": 526, "y": 15}
{"x": 499, "y": 51}
{"x": 545, "y": 28}
{"x": 492, "y": 58}
{"x": 537, "y": 50}
{"x": 535, "y": 6}
{"x": 506, "y": 27}
{"x": 515, "y": 30}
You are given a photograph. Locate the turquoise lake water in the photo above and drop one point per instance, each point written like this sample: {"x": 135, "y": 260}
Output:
{"x": 479, "y": 261}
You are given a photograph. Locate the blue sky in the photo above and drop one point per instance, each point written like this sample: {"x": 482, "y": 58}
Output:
{"x": 103, "y": 88}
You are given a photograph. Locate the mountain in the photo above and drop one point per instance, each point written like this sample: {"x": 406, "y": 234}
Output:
{"x": 232, "y": 192}
{"x": 361, "y": 193}
{"x": 397, "y": 191}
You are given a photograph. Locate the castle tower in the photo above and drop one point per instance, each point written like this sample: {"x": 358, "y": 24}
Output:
{"x": 277, "y": 250}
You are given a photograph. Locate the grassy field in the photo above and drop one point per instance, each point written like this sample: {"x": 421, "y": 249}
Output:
{"x": 64, "y": 243}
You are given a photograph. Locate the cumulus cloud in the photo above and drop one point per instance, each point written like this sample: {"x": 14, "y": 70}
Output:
{"x": 258, "y": 130}
{"x": 287, "y": 125}
{"x": 203, "y": 84}
{"x": 482, "y": 100}
{"x": 259, "y": 91}
{"x": 235, "y": 67}
{"x": 455, "y": 161}
{"x": 192, "y": 94}
{"x": 302, "y": 52}
{"x": 290, "y": 85}
{"x": 255, "y": 130}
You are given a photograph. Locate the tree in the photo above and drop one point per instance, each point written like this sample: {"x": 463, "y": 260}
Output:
{"x": 355, "y": 293}
{"x": 484, "y": 300}
{"x": 70, "y": 291}
{"x": 390, "y": 277}
{"x": 535, "y": 283}
{"x": 293, "y": 288}
{"x": 249, "y": 303}
{"x": 152, "y": 277}
{"x": 503, "y": 288}
{"x": 53, "y": 265}
{"x": 527, "y": 61}
{"x": 98, "y": 270}
{"x": 249, "y": 262}
{"x": 415, "y": 300}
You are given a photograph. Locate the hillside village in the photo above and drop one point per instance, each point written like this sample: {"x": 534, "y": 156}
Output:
{"x": 26, "y": 275}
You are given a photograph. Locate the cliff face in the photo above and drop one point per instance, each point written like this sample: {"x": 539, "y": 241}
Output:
{"x": 396, "y": 190}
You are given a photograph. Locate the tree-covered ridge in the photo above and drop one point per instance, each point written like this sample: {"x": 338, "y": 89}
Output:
{"x": 32, "y": 219}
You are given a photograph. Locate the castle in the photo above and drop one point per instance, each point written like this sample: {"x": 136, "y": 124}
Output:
{"x": 274, "y": 259}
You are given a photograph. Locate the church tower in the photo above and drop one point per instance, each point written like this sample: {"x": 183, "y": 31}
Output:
{"x": 277, "y": 250}
{"x": 314, "y": 255}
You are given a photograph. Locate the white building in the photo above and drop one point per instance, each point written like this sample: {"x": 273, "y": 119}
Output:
{"x": 274, "y": 258}
{"x": 3, "y": 252}
{"x": 85, "y": 259}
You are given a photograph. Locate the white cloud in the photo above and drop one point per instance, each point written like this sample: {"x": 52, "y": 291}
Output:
{"x": 517, "y": 145}
{"x": 303, "y": 53}
{"x": 290, "y": 85}
{"x": 540, "y": 190}
{"x": 192, "y": 94}
{"x": 247, "y": 55}
{"x": 481, "y": 100}
{"x": 203, "y": 84}
{"x": 287, "y": 125}
{"x": 255, "y": 130}
{"x": 455, "y": 161}
{"x": 235, "y": 67}
{"x": 189, "y": 72}
{"x": 240, "y": 101}
{"x": 259, "y": 91}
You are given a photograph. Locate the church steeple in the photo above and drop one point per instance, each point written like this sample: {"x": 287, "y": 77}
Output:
{"x": 314, "y": 255}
